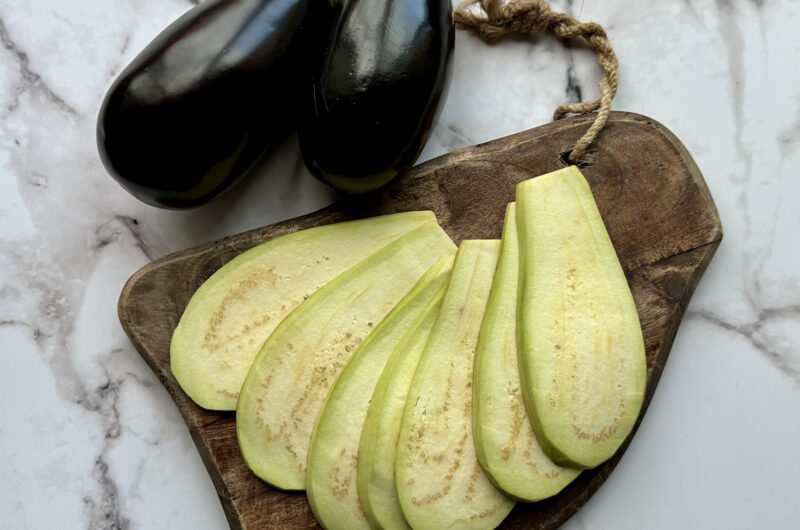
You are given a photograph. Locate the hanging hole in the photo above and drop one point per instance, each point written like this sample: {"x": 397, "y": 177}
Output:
{"x": 564, "y": 156}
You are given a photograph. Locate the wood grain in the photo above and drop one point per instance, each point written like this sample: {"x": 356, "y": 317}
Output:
{"x": 652, "y": 197}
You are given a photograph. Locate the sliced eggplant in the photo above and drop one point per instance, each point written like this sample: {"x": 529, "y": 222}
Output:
{"x": 504, "y": 440}
{"x": 333, "y": 452}
{"x": 581, "y": 358}
{"x": 230, "y": 316}
{"x": 439, "y": 480}
{"x": 376, "y": 91}
{"x": 196, "y": 109}
{"x": 290, "y": 379}
{"x": 377, "y": 450}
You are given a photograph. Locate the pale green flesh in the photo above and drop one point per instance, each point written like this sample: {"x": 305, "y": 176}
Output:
{"x": 377, "y": 448}
{"x": 504, "y": 440}
{"x": 290, "y": 378}
{"x": 581, "y": 356}
{"x": 439, "y": 480}
{"x": 230, "y": 316}
{"x": 333, "y": 451}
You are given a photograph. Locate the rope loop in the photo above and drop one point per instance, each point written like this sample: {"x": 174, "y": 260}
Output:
{"x": 492, "y": 20}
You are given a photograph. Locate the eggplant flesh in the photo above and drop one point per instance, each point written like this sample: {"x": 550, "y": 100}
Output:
{"x": 439, "y": 480}
{"x": 582, "y": 363}
{"x": 376, "y": 91}
{"x": 289, "y": 381}
{"x": 234, "y": 312}
{"x": 199, "y": 106}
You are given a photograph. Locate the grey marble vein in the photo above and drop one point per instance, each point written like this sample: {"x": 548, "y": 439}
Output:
{"x": 690, "y": 6}
{"x": 112, "y": 231}
{"x": 105, "y": 511}
{"x": 789, "y": 138}
{"x": 754, "y": 332}
{"x": 573, "y": 92}
{"x": 36, "y": 333}
{"x": 451, "y": 137}
{"x": 732, "y": 35}
{"x": 37, "y": 179}
{"x": 30, "y": 78}
{"x": 54, "y": 333}
{"x": 570, "y": 5}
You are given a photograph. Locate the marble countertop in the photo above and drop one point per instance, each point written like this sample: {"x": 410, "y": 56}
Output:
{"x": 90, "y": 439}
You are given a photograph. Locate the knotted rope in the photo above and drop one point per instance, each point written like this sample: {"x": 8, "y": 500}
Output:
{"x": 495, "y": 19}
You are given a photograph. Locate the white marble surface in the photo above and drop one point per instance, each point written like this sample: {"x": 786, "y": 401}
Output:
{"x": 89, "y": 439}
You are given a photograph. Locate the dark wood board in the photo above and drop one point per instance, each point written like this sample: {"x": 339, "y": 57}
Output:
{"x": 655, "y": 204}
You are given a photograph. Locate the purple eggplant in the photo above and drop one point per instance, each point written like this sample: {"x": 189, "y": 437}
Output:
{"x": 376, "y": 91}
{"x": 198, "y": 107}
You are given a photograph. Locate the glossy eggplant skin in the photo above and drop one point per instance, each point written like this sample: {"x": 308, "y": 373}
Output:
{"x": 198, "y": 107}
{"x": 376, "y": 91}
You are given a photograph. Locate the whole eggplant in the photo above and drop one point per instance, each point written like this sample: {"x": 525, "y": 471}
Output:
{"x": 197, "y": 108}
{"x": 376, "y": 91}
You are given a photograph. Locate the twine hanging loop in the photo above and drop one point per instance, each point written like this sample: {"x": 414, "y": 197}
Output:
{"x": 495, "y": 19}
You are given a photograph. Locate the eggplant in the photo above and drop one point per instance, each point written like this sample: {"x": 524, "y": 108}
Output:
{"x": 376, "y": 91}
{"x": 199, "y": 106}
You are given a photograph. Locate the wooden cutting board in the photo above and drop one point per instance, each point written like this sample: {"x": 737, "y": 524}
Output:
{"x": 656, "y": 206}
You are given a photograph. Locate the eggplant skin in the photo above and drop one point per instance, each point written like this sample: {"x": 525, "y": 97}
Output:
{"x": 199, "y": 106}
{"x": 376, "y": 91}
